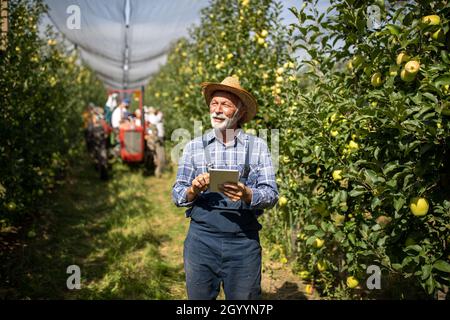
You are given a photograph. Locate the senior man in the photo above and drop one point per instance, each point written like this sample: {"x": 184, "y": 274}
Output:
{"x": 222, "y": 245}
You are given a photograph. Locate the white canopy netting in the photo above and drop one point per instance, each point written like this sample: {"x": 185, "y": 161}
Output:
{"x": 124, "y": 41}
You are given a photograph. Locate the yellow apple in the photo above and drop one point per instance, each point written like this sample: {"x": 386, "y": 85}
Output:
{"x": 431, "y": 20}
{"x": 402, "y": 57}
{"x": 438, "y": 35}
{"x": 337, "y": 175}
{"x": 357, "y": 61}
{"x": 352, "y": 282}
{"x": 309, "y": 289}
{"x": 318, "y": 243}
{"x": 321, "y": 266}
{"x": 376, "y": 79}
{"x": 419, "y": 206}
{"x": 282, "y": 201}
{"x": 353, "y": 145}
{"x": 406, "y": 76}
{"x": 338, "y": 218}
{"x": 412, "y": 67}
{"x": 304, "y": 274}
{"x": 446, "y": 109}
{"x": 349, "y": 65}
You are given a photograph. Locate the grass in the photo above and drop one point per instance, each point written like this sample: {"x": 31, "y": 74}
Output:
{"x": 124, "y": 234}
{"x": 120, "y": 233}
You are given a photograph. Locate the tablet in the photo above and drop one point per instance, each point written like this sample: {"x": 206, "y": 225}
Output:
{"x": 220, "y": 176}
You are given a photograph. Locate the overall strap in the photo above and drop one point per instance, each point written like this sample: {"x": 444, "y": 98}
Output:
{"x": 209, "y": 163}
{"x": 248, "y": 153}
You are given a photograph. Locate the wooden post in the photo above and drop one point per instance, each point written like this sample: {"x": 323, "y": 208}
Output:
{"x": 4, "y": 19}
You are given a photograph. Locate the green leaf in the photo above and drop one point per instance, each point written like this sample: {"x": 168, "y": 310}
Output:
{"x": 406, "y": 261}
{"x": 351, "y": 237}
{"x": 431, "y": 97}
{"x": 310, "y": 240}
{"x": 349, "y": 256}
{"x": 394, "y": 29}
{"x": 392, "y": 183}
{"x": 398, "y": 203}
{"x": 426, "y": 271}
{"x": 390, "y": 167}
{"x": 442, "y": 265}
{"x": 406, "y": 181}
{"x": 430, "y": 285}
{"x": 376, "y": 227}
{"x": 357, "y": 191}
{"x": 445, "y": 56}
{"x": 376, "y": 152}
{"x": 415, "y": 247}
{"x": 319, "y": 234}
{"x": 375, "y": 203}
{"x": 397, "y": 266}
{"x": 442, "y": 81}
{"x": 371, "y": 176}
{"x": 311, "y": 227}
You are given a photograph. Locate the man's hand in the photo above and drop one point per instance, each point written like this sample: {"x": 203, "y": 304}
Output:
{"x": 237, "y": 191}
{"x": 199, "y": 184}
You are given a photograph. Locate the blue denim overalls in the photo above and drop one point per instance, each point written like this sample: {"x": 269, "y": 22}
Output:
{"x": 222, "y": 244}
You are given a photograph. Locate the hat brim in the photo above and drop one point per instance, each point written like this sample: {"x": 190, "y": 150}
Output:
{"x": 246, "y": 97}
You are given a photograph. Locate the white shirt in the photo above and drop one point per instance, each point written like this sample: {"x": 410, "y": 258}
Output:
{"x": 153, "y": 118}
{"x": 137, "y": 122}
{"x": 116, "y": 117}
{"x": 156, "y": 119}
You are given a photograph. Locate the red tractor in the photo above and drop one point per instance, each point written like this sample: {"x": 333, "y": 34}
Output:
{"x": 138, "y": 139}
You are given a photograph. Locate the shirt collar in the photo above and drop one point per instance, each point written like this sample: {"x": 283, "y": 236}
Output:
{"x": 239, "y": 136}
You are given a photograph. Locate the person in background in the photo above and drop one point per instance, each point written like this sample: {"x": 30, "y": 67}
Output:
{"x": 119, "y": 119}
{"x": 138, "y": 118}
{"x": 160, "y": 125}
{"x": 98, "y": 136}
{"x": 110, "y": 106}
{"x": 155, "y": 117}
{"x": 154, "y": 136}
{"x": 120, "y": 113}
{"x": 87, "y": 119}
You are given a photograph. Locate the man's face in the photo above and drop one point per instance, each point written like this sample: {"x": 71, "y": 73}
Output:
{"x": 223, "y": 110}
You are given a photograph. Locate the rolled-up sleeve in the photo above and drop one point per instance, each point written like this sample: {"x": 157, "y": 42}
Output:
{"x": 265, "y": 191}
{"x": 185, "y": 175}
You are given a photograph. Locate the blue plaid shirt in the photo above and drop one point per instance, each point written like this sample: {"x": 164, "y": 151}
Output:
{"x": 261, "y": 178}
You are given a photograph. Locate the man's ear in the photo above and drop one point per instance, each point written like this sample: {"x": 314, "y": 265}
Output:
{"x": 244, "y": 113}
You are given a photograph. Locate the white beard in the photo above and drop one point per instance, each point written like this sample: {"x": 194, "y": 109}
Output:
{"x": 227, "y": 123}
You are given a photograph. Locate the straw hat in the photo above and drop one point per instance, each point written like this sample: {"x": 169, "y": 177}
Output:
{"x": 231, "y": 84}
